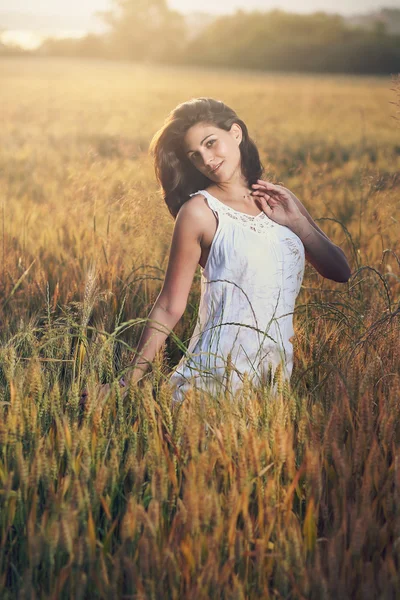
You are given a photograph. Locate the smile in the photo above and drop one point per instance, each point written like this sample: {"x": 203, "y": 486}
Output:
{"x": 217, "y": 167}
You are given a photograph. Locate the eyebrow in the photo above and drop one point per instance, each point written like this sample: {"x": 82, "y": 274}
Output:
{"x": 207, "y": 136}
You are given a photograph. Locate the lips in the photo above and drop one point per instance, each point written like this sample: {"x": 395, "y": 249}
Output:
{"x": 217, "y": 167}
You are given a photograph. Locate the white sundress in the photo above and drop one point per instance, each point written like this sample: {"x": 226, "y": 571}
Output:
{"x": 249, "y": 286}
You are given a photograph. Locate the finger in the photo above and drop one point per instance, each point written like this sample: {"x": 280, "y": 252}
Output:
{"x": 272, "y": 187}
{"x": 262, "y": 188}
{"x": 261, "y": 192}
{"x": 263, "y": 183}
{"x": 265, "y": 206}
{"x": 267, "y": 197}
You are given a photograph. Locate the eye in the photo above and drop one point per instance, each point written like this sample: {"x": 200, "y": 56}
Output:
{"x": 195, "y": 155}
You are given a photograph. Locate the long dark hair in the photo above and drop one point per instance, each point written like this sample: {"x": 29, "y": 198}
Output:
{"x": 175, "y": 173}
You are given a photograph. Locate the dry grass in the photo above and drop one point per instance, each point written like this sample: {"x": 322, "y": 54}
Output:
{"x": 286, "y": 495}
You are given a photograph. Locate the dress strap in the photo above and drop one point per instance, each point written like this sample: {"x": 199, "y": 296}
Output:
{"x": 259, "y": 223}
{"x": 212, "y": 202}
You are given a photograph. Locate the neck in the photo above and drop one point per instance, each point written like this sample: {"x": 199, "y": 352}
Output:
{"x": 236, "y": 187}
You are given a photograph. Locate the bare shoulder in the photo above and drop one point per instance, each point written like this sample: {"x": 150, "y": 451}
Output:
{"x": 195, "y": 207}
{"x": 194, "y": 213}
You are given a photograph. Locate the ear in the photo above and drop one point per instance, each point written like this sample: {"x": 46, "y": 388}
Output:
{"x": 236, "y": 132}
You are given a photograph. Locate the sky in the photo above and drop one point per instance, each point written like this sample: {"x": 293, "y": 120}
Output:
{"x": 84, "y": 8}
{"x": 28, "y": 22}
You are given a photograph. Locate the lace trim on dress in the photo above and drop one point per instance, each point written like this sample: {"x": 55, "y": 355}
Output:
{"x": 258, "y": 223}
{"x": 295, "y": 272}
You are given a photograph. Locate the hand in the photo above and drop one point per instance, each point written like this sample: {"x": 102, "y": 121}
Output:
{"x": 277, "y": 204}
{"x": 101, "y": 393}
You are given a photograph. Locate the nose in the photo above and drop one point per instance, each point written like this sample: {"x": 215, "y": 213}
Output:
{"x": 209, "y": 159}
{"x": 206, "y": 157}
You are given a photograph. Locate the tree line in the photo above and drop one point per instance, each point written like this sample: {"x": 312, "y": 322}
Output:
{"x": 148, "y": 30}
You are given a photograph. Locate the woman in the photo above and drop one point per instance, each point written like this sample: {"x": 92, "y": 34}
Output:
{"x": 250, "y": 238}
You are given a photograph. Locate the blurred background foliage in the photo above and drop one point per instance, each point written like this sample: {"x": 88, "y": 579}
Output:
{"x": 149, "y": 31}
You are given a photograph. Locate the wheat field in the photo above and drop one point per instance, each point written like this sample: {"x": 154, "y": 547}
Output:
{"x": 294, "y": 495}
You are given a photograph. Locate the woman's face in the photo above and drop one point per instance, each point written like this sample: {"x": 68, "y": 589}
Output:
{"x": 214, "y": 151}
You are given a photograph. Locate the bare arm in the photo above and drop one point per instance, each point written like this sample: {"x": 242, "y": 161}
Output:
{"x": 325, "y": 256}
{"x": 171, "y": 302}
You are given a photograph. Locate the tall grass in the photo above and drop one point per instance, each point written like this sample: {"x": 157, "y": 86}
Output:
{"x": 292, "y": 492}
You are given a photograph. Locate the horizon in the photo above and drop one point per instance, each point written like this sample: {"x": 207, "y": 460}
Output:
{"x": 75, "y": 9}
{"x": 27, "y": 25}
